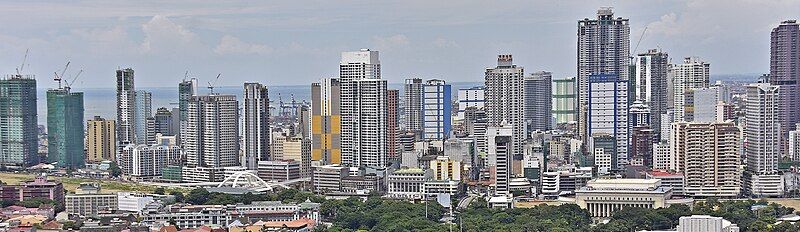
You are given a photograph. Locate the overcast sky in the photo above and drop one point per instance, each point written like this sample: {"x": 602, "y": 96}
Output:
{"x": 297, "y": 42}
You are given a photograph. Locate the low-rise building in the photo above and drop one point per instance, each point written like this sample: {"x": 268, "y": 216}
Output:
{"x": 328, "y": 178}
{"x": 88, "y": 201}
{"x": 40, "y": 187}
{"x": 601, "y": 197}
{"x": 669, "y": 179}
{"x": 133, "y": 202}
{"x": 407, "y": 183}
{"x": 279, "y": 170}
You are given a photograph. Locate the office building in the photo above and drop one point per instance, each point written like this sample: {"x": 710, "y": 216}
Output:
{"x": 256, "y": 125}
{"x": 65, "y": 138}
{"x": 39, "y": 188}
{"x": 164, "y": 123}
{"x": 279, "y": 170}
{"x": 603, "y": 48}
{"x": 18, "y": 121}
{"x": 499, "y": 146}
{"x": 133, "y": 201}
{"x": 212, "y": 133}
{"x": 143, "y": 109}
{"x": 436, "y": 110}
{"x": 393, "y": 129}
{"x": 328, "y": 178}
{"x": 762, "y": 131}
{"x": 88, "y": 201}
{"x": 126, "y": 108}
{"x": 293, "y": 148}
{"x": 445, "y": 168}
{"x": 700, "y": 104}
{"x": 651, "y": 83}
{"x": 607, "y": 113}
{"x": 101, "y": 141}
{"x": 693, "y": 73}
{"x": 641, "y": 150}
{"x": 604, "y": 153}
{"x": 708, "y": 155}
{"x": 504, "y": 102}
{"x": 407, "y": 183}
{"x": 538, "y": 101}
{"x": 564, "y": 100}
{"x": 784, "y": 71}
{"x": 364, "y": 119}
{"x": 601, "y": 197}
{"x": 326, "y": 121}
{"x": 470, "y": 97}
{"x": 413, "y": 105}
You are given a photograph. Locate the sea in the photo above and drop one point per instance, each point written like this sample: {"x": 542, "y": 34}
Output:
{"x": 102, "y": 101}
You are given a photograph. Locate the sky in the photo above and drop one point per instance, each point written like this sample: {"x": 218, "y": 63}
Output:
{"x": 299, "y": 42}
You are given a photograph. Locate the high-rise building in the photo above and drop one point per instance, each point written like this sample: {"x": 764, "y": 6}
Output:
{"x": 212, "y": 133}
{"x": 413, "y": 105}
{"x": 164, "y": 122}
{"x": 470, "y": 97}
{"x": 293, "y": 148}
{"x": 392, "y": 111}
{"x": 564, "y": 100}
{"x": 607, "y": 113}
{"x": 19, "y": 132}
{"x": 437, "y": 110}
{"x": 101, "y": 141}
{"x": 762, "y": 131}
{"x": 256, "y": 125}
{"x": 143, "y": 109}
{"x": 603, "y": 48}
{"x": 708, "y": 155}
{"x": 641, "y": 150}
{"x": 326, "y": 121}
{"x": 538, "y": 90}
{"x": 794, "y": 145}
{"x": 364, "y": 126}
{"x": 186, "y": 89}
{"x": 693, "y": 73}
{"x": 65, "y": 128}
{"x": 700, "y": 104}
{"x": 651, "y": 84}
{"x": 500, "y": 140}
{"x": 126, "y": 110}
{"x": 504, "y": 101}
{"x": 148, "y": 161}
{"x": 784, "y": 71}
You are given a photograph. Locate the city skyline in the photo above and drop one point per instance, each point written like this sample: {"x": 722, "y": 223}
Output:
{"x": 237, "y": 39}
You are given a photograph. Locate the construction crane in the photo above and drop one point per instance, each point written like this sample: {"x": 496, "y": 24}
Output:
{"x": 68, "y": 85}
{"x": 59, "y": 78}
{"x": 638, "y": 42}
{"x": 21, "y": 67}
{"x": 211, "y": 84}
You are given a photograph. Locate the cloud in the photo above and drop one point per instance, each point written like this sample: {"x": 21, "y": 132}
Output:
{"x": 445, "y": 43}
{"x": 232, "y": 45}
{"x": 391, "y": 42}
{"x": 161, "y": 34}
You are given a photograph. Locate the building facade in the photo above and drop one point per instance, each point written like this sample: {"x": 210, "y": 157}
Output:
{"x": 126, "y": 111}
{"x": 436, "y": 110}
{"x": 470, "y": 97}
{"x": 212, "y": 133}
{"x": 326, "y": 121}
{"x": 256, "y": 124}
{"x": 762, "y": 131}
{"x": 413, "y": 105}
{"x": 708, "y": 155}
{"x": 607, "y": 113}
{"x": 364, "y": 107}
{"x": 538, "y": 101}
{"x": 693, "y": 73}
{"x": 19, "y": 132}
{"x": 564, "y": 100}
{"x": 65, "y": 137}
{"x": 101, "y": 141}
{"x": 650, "y": 84}
{"x": 505, "y": 101}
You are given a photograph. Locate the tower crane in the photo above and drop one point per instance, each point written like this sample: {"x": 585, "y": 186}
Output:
{"x": 211, "y": 84}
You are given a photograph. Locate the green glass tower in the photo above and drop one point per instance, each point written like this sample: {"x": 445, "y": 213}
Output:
{"x": 19, "y": 141}
{"x": 65, "y": 128}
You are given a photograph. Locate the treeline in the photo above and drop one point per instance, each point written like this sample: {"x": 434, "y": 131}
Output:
{"x": 201, "y": 196}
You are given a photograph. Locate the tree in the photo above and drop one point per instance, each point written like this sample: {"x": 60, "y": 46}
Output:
{"x": 198, "y": 196}
{"x": 159, "y": 191}
{"x": 115, "y": 170}
{"x": 178, "y": 196}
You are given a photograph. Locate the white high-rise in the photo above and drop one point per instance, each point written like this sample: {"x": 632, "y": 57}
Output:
{"x": 708, "y": 155}
{"x": 212, "y": 133}
{"x": 607, "y": 114}
{"x": 504, "y": 99}
{"x": 126, "y": 99}
{"x": 413, "y": 105}
{"x": 256, "y": 125}
{"x": 470, "y": 97}
{"x": 762, "y": 131}
{"x": 143, "y": 109}
{"x": 693, "y": 73}
{"x": 499, "y": 150}
{"x": 364, "y": 110}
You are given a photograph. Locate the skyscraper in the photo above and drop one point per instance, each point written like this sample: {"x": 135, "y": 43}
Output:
{"x": 707, "y": 153}
{"x": 470, "y": 97}
{"x": 186, "y": 89}
{"x": 564, "y": 100}
{"x": 164, "y": 122}
{"x": 504, "y": 100}
{"x": 413, "y": 105}
{"x": 364, "y": 126}
{"x": 603, "y": 48}
{"x": 392, "y": 119}
{"x": 18, "y": 121}
{"x": 607, "y": 113}
{"x": 101, "y": 141}
{"x": 693, "y": 73}
{"x": 143, "y": 109}
{"x": 538, "y": 101}
{"x": 65, "y": 128}
{"x": 436, "y": 110}
{"x": 651, "y": 84}
{"x": 784, "y": 71}
{"x": 212, "y": 133}
{"x": 256, "y": 125}
{"x": 326, "y": 121}
{"x": 126, "y": 111}
{"x": 762, "y": 130}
